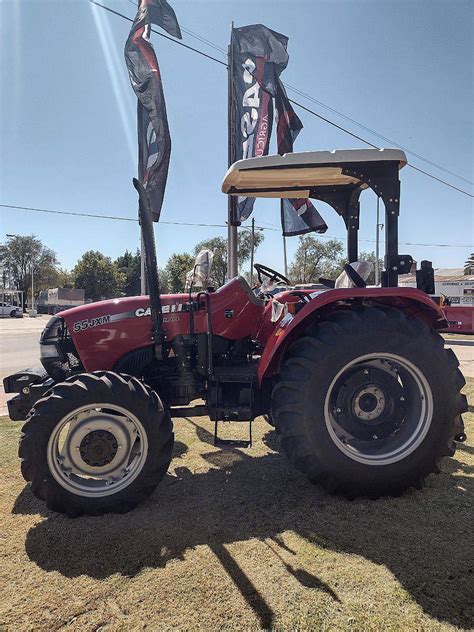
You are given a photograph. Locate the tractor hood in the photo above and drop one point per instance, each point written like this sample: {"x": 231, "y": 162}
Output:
{"x": 114, "y": 310}
{"x": 106, "y": 331}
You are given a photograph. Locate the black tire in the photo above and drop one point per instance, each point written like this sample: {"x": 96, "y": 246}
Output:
{"x": 299, "y": 405}
{"x": 13, "y": 313}
{"x": 84, "y": 390}
{"x": 269, "y": 419}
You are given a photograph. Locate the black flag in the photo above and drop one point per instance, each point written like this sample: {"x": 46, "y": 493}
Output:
{"x": 258, "y": 56}
{"x": 298, "y": 216}
{"x": 154, "y": 142}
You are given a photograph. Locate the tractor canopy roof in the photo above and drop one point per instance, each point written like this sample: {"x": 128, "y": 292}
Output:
{"x": 300, "y": 174}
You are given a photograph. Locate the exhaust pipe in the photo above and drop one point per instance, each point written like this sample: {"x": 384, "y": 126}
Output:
{"x": 151, "y": 267}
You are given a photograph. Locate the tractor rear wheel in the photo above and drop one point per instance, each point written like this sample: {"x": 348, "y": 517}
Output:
{"x": 368, "y": 402}
{"x": 97, "y": 443}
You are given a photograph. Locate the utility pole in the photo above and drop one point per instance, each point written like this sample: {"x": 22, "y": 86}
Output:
{"x": 232, "y": 268}
{"x": 32, "y": 288}
{"x": 252, "y": 251}
{"x": 284, "y": 256}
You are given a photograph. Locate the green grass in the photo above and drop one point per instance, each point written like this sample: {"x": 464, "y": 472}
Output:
{"x": 239, "y": 540}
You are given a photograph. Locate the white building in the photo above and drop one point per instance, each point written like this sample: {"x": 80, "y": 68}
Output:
{"x": 449, "y": 282}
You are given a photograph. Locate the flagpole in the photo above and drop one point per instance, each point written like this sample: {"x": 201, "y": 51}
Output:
{"x": 142, "y": 265}
{"x": 232, "y": 269}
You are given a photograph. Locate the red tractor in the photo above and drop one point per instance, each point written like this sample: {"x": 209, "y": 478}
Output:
{"x": 355, "y": 380}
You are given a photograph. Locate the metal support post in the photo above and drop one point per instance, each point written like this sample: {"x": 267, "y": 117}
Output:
{"x": 377, "y": 244}
{"x": 232, "y": 265}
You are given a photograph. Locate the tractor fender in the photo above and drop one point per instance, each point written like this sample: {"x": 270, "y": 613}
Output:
{"x": 410, "y": 300}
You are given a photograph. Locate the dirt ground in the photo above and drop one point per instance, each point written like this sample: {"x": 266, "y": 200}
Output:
{"x": 239, "y": 540}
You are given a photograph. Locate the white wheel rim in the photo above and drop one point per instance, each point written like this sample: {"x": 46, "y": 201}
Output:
{"x": 97, "y": 450}
{"x": 389, "y": 449}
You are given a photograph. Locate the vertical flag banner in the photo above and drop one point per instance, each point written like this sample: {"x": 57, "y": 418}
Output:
{"x": 298, "y": 216}
{"x": 154, "y": 141}
{"x": 258, "y": 57}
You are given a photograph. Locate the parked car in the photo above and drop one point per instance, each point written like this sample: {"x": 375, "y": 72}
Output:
{"x": 7, "y": 309}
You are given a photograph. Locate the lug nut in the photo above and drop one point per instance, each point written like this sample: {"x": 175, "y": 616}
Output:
{"x": 338, "y": 410}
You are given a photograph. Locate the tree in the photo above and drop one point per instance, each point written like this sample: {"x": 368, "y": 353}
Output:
{"x": 98, "y": 275}
{"x": 175, "y": 271}
{"x": 163, "y": 280}
{"x": 65, "y": 279}
{"x": 128, "y": 265}
{"x": 18, "y": 256}
{"x": 469, "y": 265}
{"x": 218, "y": 245}
{"x": 315, "y": 258}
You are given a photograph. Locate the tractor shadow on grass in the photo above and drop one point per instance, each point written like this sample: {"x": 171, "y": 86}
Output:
{"x": 422, "y": 537}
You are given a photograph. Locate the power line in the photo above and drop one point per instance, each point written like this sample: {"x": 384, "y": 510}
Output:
{"x": 99, "y": 216}
{"x": 426, "y": 173}
{"x": 75, "y": 213}
{"x": 320, "y": 103}
{"x": 375, "y": 133}
{"x": 202, "y": 224}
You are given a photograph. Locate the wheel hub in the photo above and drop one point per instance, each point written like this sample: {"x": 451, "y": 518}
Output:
{"x": 378, "y": 408}
{"x": 98, "y": 448}
{"x": 369, "y": 403}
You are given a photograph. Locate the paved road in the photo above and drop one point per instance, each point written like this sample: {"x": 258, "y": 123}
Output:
{"x": 19, "y": 343}
{"x": 18, "y": 353}
{"x": 19, "y": 348}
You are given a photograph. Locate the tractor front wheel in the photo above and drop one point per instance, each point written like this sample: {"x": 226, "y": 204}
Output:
{"x": 96, "y": 443}
{"x": 369, "y": 402}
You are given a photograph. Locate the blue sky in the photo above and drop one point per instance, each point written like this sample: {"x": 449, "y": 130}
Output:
{"x": 67, "y": 116}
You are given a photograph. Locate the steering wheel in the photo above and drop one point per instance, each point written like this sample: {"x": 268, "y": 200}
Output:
{"x": 269, "y": 273}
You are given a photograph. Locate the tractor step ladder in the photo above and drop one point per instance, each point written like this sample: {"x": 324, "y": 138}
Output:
{"x": 232, "y": 443}
{"x": 232, "y": 392}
